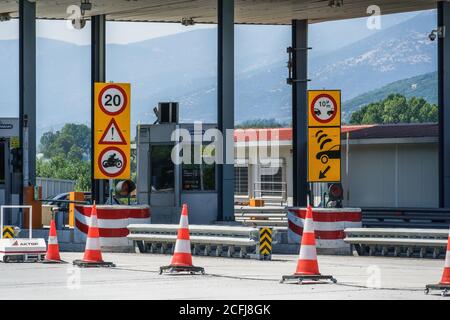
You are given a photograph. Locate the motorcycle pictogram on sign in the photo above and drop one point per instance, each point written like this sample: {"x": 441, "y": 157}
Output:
{"x": 112, "y": 162}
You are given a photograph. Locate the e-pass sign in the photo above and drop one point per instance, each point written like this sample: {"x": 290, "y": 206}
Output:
{"x": 112, "y": 131}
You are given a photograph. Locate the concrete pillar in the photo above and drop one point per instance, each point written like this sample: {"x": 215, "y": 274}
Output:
{"x": 225, "y": 107}
{"x": 444, "y": 104}
{"x": 299, "y": 110}
{"x": 98, "y": 74}
{"x": 27, "y": 90}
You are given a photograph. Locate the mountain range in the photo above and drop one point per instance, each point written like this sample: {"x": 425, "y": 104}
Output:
{"x": 183, "y": 68}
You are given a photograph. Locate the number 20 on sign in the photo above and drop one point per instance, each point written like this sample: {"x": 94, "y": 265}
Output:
{"x": 112, "y": 131}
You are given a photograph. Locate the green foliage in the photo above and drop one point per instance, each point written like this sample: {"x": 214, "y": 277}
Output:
{"x": 62, "y": 167}
{"x": 73, "y": 140}
{"x": 65, "y": 153}
{"x": 261, "y": 123}
{"x": 396, "y": 108}
{"x": 424, "y": 85}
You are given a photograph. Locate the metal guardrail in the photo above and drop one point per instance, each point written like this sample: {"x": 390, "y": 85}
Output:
{"x": 242, "y": 242}
{"x": 261, "y": 217}
{"x": 398, "y": 242}
{"x": 428, "y": 218}
{"x": 270, "y": 192}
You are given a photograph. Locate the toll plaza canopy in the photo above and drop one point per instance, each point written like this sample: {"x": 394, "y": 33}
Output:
{"x": 226, "y": 13}
{"x": 205, "y": 11}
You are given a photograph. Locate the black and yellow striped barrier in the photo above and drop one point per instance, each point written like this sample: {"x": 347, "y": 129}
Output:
{"x": 8, "y": 232}
{"x": 265, "y": 243}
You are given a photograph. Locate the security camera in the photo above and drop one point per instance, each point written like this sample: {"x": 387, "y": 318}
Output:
{"x": 78, "y": 23}
{"x": 439, "y": 32}
{"x": 432, "y": 36}
{"x": 187, "y": 22}
{"x": 4, "y": 17}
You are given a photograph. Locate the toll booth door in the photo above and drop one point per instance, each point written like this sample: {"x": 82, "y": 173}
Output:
{"x": 3, "y": 171}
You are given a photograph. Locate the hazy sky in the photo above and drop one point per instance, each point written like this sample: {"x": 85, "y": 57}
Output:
{"x": 118, "y": 32}
{"x": 335, "y": 33}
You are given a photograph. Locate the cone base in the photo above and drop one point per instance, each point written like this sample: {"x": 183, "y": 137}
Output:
{"x": 175, "y": 268}
{"x": 54, "y": 261}
{"x": 87, "y": 264}
{"x": 444, "y": 288}
{"x": 304, "y": 277}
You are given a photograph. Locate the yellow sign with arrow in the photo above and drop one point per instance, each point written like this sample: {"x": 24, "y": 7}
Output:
{"x": 324, "y": 136}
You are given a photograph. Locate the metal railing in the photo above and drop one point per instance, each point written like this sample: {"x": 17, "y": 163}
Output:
{"x": 205, "y": 240}
{"x": 270, "y": 191}
{"x": 406, "y": 218}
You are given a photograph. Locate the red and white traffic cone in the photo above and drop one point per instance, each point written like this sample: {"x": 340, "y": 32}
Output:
{"x": 307, "y": 264}
{"x": 307, "y": 260}
{"x": 444, "y": 285}
{"x": 93, "y": 253}
{"x": 446, "y": 275}
{"x": 52, "y": 255}
{"x": 182, "y": 256}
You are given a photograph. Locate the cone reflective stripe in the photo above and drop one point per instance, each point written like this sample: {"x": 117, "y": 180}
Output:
{"x": 93, "y": 251}
{"x": 182, "y": 253}
{"x": 307, "y": 260}
{"x": 53, "y": 247}
{"x": 446, "y": 275}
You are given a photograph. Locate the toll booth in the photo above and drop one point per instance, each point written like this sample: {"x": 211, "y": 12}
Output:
{"x": 165, "y": 185}
{"x": 10, "y": 166}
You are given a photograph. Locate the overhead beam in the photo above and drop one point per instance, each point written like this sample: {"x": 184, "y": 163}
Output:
{"x": 98, "y": 74}
{"x": 225, "y": 107}
{"x": 299, "y": 107}
{"x": 27, "y": 91}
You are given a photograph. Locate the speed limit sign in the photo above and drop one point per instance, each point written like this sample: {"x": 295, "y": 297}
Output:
{"x": 112, "y": 131}
{"x": 113, "y": 100}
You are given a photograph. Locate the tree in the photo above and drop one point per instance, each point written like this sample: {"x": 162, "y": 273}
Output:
{"x": 60, "y": 167}
{"x": 62, "y": 142}
{"x": 396, "y": 109}
{"x": 66, "y": 155}
{"x": 261, "y": 123}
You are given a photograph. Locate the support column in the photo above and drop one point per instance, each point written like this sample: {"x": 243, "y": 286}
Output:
{"x": 299, "y": 110}
{"x": 225, "y": 107}
{"x": 27, "y": 91}
{"x": 98, "y": 71}
{"x": 444, "y": 104}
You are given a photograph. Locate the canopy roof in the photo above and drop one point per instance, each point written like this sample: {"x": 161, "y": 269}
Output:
{"x": 205, "y": 11}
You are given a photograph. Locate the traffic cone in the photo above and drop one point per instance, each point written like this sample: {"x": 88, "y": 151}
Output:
{"x": 307, "y": 261}
{"x": 52, "y": 255}
{"x": 93, "y": 253}
{"x": 444, "y": 285}
{"x": 307, "y": 265}
{"x": 182, "y": 256}
{"x": 446, "y": 275}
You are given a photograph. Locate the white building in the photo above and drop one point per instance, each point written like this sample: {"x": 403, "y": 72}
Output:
{"x": 382, "y": 166}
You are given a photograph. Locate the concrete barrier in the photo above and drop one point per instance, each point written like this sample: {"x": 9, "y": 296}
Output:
{"x": 242, "y": 242}
{"x": 329, "y": 224}
{"x": 112, "y": 222}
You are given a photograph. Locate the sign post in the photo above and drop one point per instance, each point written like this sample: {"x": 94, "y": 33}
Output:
{"x": 324, "y": 136}
{"x": 112, "y": 135}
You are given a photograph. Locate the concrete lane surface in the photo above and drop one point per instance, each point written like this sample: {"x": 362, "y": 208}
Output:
{"x": 136, "y": 277}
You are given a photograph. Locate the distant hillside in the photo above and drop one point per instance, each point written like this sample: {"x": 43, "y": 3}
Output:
{"x": 424, "y": 86}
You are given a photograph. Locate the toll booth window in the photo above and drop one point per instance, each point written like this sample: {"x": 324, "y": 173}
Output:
{"x": 241, "y": 180}
{"x": 2, "y": 163}
{"x": 162, "y": 168}
{"x": 198, "y": 177}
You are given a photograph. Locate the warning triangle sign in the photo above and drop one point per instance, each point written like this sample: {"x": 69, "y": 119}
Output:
{"x": 113, "y": 135}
